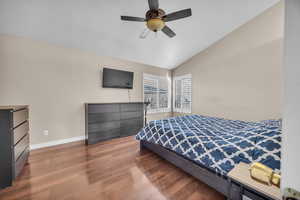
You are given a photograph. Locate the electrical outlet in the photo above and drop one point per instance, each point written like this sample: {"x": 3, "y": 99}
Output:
{"x": 46, "y": 132}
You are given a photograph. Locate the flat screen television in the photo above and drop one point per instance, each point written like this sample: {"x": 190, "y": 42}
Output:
{"x": 113, "y": 78}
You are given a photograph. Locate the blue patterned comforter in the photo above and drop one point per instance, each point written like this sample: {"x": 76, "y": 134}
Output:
{"x": 216, "y": 143}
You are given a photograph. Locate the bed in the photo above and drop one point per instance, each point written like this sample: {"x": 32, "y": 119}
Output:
{"x": 209, "y": 147}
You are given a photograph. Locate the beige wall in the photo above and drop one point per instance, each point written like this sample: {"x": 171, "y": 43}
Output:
{"x": 57, "y": 81}
{"x": 240, "y": 76}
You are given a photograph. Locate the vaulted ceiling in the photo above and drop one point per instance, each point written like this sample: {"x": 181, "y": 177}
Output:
{"x": 95, "y": 26}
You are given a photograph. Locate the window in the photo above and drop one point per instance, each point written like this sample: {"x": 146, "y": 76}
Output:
{"x": 157, "y": 92}
{"x": 182, "y": 94}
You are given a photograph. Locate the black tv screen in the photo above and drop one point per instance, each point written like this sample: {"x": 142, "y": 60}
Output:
{"x": 113, "y": 78}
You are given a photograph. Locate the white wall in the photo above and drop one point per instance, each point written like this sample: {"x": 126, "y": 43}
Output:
{"x": 291, "y": 115}
{"x": 56, "y": 82}
{"x": 240, "y": 76}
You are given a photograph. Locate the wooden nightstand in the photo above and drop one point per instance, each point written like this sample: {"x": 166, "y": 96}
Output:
{"x": 243, "y": 187}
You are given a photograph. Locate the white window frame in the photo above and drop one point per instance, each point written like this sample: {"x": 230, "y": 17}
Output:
{"x": 181, "y": 110}
{"x": 156, "y": 78}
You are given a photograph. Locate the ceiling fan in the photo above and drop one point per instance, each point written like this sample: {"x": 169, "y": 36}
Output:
{"x": 155, "y": 19}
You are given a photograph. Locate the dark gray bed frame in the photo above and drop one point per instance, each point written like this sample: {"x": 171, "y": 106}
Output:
{"x": 219, "y": 182}
{"x": 231, "y": 189}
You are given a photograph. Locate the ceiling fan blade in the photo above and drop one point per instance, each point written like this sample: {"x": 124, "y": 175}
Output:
{"x": 145, "y": 33}
{"x": 134, "y": 19}
{"x": 153, "y": 4}
{"x": 168, "y": 31}
{"x": 178, "y": 15}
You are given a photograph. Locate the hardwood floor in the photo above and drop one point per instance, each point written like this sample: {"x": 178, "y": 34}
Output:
{"x": 112, "y": 170}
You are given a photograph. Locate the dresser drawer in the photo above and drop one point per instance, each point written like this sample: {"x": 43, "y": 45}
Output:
{"x": 132, "y": 115}
{"x": 103, "y": 117}
{"x": 21, "y": 146}
{"x": 105, "y": 126}
{"x": 130, "y": 123}
{"x": 131, "y": 126}
{"x": 19, "y": 164}
{"x": 20, "y": 132}
{"x": 20, "y": 116}
{"x": 103, "y": 108}
{"x": 132, "y": 107}
{"x": 95, "y": 137}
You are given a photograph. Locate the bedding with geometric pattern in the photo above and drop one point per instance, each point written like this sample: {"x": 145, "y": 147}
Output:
{"x": 217, "y": 143}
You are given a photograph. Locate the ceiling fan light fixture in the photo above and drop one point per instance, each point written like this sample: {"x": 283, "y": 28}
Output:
{"x": 155, "y": 24}
{"x": 156, "y": 17}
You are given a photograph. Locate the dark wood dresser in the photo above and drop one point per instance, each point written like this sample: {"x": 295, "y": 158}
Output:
{"x": 104, "y": 121}
{"x": 14, "y": 142}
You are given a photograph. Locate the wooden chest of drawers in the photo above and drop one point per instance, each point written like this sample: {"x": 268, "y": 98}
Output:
{"x": 14, "y": 142}
{"x": 106, "y": 121}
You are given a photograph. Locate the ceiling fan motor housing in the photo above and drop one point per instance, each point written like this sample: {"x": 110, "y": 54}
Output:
{"x": 150, "y": 14}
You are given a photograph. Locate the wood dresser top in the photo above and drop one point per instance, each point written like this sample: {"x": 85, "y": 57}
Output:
{"x": 13, "y": 107}
{"x": 118, "y": 103}
{"x": 241, "y": 174}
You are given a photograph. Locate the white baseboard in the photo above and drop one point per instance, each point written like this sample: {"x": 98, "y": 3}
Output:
{"x": 56, "y": 142}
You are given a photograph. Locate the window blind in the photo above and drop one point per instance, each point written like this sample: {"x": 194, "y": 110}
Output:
{"x": 157, "y": 92}
{"x": 182, "y": 94}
